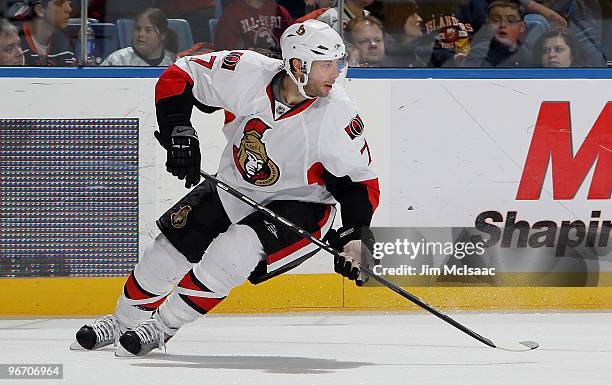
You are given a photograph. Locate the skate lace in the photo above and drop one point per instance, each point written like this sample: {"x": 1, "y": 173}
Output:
{"x": 106, "y": 329}
{"x": 150, "y": 332}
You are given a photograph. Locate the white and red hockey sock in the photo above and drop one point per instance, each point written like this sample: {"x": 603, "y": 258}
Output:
{"x": 158, "y": 270}
{"x": 227, "y": 263}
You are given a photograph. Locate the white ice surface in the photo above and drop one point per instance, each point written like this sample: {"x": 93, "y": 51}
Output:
{"x": 339, "y": 349}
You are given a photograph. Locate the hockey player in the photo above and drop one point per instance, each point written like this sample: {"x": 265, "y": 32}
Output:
{"x": 295, "y": 143}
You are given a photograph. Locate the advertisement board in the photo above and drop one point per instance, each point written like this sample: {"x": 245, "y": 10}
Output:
{"x": 525, "y": 164}
{"x": 450, "y": 154}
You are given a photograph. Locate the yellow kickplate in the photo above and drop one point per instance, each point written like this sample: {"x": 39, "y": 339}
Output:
{"x": 294, "y": 293}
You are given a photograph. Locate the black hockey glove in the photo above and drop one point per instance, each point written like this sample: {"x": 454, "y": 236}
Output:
{"x": 352, "y": 257}
{"x": 184, "y": 158}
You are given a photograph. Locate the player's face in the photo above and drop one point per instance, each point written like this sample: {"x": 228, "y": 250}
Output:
{"x": 507, "y": 24}
{"x": 556, "y": 53}
{"x": 147, "y": 39}
{"x": 57, "y": 13}
{"x": 368, "y": 39}
{"x": 322, "y": 76}
{"x": 10, "y": 50}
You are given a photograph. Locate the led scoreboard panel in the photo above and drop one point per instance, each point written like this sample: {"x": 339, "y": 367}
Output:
{"x": 68, "y": 197}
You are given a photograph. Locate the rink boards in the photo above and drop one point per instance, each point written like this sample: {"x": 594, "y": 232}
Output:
{"x": 297, "y": 293}
{"x": 446, "y": 150}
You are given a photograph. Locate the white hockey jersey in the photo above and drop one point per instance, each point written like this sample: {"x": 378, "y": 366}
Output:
{"x": 277, "y": 152}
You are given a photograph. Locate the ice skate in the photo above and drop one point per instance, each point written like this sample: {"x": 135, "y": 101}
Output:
{"x": 148, "y": 335}
{"x": 101, "y": 332}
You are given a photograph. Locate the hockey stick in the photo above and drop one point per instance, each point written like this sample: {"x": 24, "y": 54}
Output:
{"x": 527, "y": 345}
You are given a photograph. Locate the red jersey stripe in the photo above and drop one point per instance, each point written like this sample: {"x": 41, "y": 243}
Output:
{"x": 315, "y": 174}
{"x": 229, "y": 117}
{"x": 297, "y": 110}
{"x": 373, "y": 192}
{"x": 171, "y": 82}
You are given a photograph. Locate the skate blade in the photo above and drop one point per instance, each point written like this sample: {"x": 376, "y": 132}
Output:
{"x": 76, "y": 346}
{"x": 122, "y": 353}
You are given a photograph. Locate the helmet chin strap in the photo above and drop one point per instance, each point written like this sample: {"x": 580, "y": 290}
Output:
{"x": 300, "y": 85}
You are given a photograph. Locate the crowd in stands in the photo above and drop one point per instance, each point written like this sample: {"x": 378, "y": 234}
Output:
{"x": 153, "y": 43}
{"x": 378, "y": 33}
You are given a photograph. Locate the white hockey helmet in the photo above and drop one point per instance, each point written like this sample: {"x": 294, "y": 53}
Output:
{"x": 309, "y": 41}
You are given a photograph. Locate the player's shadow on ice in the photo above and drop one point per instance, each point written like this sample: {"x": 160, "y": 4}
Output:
{"x": 268, "y": 364}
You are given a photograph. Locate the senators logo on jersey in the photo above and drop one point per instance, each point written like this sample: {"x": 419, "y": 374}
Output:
{"x": 251, "y": 157}
{"x": 231, "y": 60}
{"x": 179, "y": 218}
{"x": 355, "y": 127}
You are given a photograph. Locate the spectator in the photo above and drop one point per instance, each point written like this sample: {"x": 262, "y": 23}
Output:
{"x": 11, "y": 53}
{"x": 451, "y": 26}
{"x": 558, "y": 48}
{"x": 445, "y": 33}
{"x": 366, "y": 34}
{"x": 475, "y": 12}
{"x": 585, "y": 22}
{"x": 252, "y": 24}
{"x": 44, "y": 41}
{"x": 505, "y": 21}
{"x": 153, "y": 43}
{"x": 403, "y": 24}
{"x": 352, "y": 9}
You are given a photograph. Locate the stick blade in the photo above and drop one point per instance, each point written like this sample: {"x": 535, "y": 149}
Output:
{"x": 530, "y": 344}
{"x": 526, "y": 346}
